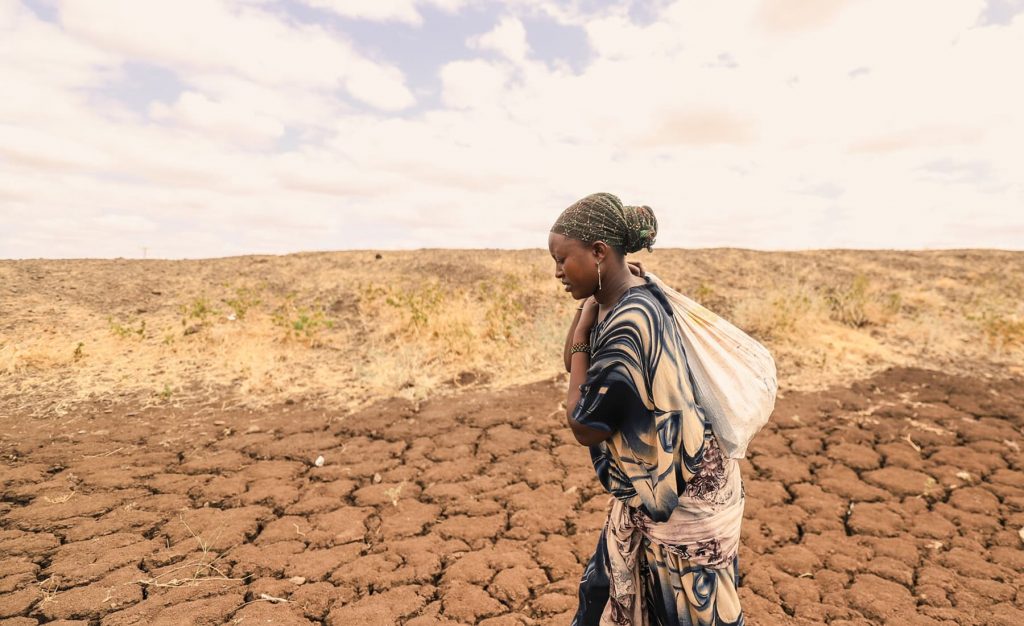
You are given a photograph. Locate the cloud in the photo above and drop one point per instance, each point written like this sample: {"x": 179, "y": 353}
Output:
{"x": 196, "y": 111}
{"x": 466, "y": 84}
{"x": 699, "y": 128}
{"x": 211, "y": 36}
{"x": 788, "y": 16}
{"x": 738, "y": 130}
{"x": 383, "y": 10}
{"x": 374, "y": 10}
{"x": 44, "y": 151}
{"x": 920, "y": 137}
{"x": 508, "y": 38}
{"x": 126, "y": 223}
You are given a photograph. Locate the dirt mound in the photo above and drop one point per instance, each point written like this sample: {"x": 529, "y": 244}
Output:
{"x": 896, "y": 500}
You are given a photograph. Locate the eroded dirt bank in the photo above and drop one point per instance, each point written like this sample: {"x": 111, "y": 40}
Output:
{"x": 898, "y": 499}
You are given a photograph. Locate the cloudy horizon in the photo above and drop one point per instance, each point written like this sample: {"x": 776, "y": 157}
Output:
{"x": 211, "y": 128}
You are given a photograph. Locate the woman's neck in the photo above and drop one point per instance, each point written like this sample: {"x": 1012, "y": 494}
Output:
{"x": 614, "y": 286}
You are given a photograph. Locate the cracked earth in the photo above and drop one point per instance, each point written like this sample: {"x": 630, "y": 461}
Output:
{"x": 898, "y": 499}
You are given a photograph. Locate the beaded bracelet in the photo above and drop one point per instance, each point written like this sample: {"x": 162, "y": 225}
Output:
{"x": 580, "y": 347}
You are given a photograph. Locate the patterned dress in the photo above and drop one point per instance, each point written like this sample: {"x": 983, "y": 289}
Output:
{"x": 668, "y": 553}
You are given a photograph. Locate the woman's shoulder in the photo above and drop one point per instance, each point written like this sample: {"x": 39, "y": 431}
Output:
{"x": 640, "y": 307}
{"x": 651, "y": 297}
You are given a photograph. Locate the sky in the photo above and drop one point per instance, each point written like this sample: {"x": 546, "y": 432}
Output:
{"x": 211, "y": 128}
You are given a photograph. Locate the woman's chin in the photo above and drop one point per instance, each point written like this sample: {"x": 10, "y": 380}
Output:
{"x": 575, "y": 292}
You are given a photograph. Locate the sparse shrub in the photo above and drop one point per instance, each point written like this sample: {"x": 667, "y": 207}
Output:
{"x": 848, "y": 303}
{"x": 774, "y": 313}
{"x": 420, "y": 305}
{"x": 244, "y": 299}
{"x": 709, "y": 298}
{"x": 78, "y": 351}
{"x": 855, "y": 304}
{"x": 788, "y": 309}
{"x": 506, "y": 302}
{"x": 123, "y": 331}
{"x": 1003, "y": 330}
{"x": 703, "y": 293}
{"x": 301, "y": 322}
{"x": 199, "y": 309}
{"x": 892, "y": 304}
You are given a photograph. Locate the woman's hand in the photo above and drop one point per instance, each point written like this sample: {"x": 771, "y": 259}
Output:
{"x": 588, "y": 316}
{"x": 636, "y": 267}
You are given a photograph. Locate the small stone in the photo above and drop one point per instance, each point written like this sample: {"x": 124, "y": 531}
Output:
{"x": 297, "y": 580}
{"x": 319, "y": 462}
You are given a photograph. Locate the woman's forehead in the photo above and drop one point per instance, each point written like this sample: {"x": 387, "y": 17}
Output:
{"x": 558, "y": 241}
{"x": 564, "y": 246}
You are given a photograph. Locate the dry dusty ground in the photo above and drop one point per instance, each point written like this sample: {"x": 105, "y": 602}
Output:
{"x": 896, "y": 500}
{"x": 344, "y": 329}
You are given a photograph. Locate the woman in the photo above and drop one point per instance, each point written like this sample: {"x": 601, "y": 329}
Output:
{"x": 668, "y": 551}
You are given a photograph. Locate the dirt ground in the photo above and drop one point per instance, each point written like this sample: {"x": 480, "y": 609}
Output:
{"x": 347, "y": 328}
{"x": 898, "y": 499}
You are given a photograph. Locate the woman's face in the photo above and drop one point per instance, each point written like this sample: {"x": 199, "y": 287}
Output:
{"x": 575, "y": 265}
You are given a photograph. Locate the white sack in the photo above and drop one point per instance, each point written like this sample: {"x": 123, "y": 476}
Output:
{"x": 734, "y": 376}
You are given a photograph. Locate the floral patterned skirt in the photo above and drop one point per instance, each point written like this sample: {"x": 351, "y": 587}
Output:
{"x": 636, "y": 581}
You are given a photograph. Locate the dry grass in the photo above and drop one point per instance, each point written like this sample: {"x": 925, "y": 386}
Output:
{"x": 347, "y": 328}
{"x": 194, "y": 571}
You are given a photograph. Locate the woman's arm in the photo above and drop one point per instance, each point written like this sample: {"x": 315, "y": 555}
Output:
{"x": 569, "y": 341}
{"x": 585, "y": 435}
{"x": 580, "y": 363}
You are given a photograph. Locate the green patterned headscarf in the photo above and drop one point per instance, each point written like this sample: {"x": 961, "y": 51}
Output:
{"x": 602, "y": 217}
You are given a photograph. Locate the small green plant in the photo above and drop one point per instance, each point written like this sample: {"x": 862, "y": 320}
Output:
{"x": 419, "y": 305}
{"x": 165, "y": 393}
{"x": 243, "y": 300}
{"x": 78, "y": 351}
{"x": 704, "y": 292}
{"x": 301, "y": 322}
{"x": 200, "y": 309}
{"x": 706, "y": 295}
{"x": 123, "y": 331}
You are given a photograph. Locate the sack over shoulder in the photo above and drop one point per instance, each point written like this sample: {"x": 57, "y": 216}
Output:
{"x": 734, "y": 376}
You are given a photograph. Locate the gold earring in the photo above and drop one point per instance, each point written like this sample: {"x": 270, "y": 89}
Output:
{"x": 599, "y": 276}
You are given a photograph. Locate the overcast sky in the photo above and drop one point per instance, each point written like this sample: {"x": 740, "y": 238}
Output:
{"x": 201, "y": 128}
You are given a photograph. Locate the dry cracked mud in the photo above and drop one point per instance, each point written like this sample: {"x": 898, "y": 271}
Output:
{"x": 898, "y": 499}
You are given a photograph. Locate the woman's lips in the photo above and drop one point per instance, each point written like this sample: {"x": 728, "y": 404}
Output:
{"x": 568, "y": 287}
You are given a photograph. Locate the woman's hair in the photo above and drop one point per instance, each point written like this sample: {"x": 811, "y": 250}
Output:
{"x": 602, "y": 217}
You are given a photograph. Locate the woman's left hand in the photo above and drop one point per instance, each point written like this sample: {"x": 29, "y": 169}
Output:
{"x": 636, "y": 268}
{"x": 587, "y": 318}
